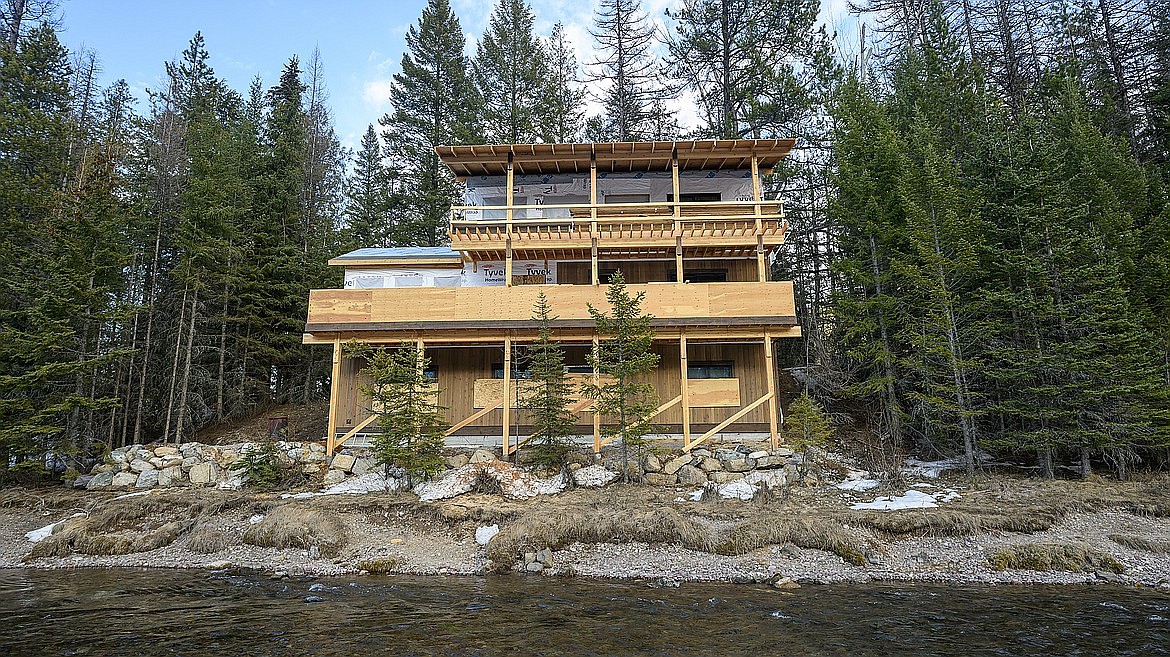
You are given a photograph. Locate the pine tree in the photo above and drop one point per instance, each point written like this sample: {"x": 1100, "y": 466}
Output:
{"x": 626, "y": 66}
{"x": 434, "y": 102}
{"x": 548, "y": 393}
{"x": 624, "y": 356}
{"x": 807, "y": 431}
{"x": 510, "y": 72}
{"x": 562, "y": 101}
{"x": 404, "y": 398}
{"x": 369, "y": 197}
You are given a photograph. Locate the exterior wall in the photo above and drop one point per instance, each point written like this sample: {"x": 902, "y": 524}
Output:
{"x": 653, "y": 271}
{"x": 458, "y": 369}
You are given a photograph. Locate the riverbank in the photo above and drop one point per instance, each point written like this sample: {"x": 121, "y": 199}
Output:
{"x": 1000, "y": 530}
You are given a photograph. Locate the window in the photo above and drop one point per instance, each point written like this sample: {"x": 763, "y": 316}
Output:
{"x": 431, "y": 373}
{"x": 578, "y": 369}
{"x": 697, "y": 197}
{"x": 705, "y": 275}
{"x": 710, "y": 369}
{"x": 517, "y": 373}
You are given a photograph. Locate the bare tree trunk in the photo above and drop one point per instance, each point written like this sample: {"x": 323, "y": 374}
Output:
{"x": 175, "y": 365}
{"x": 187, "y": 366}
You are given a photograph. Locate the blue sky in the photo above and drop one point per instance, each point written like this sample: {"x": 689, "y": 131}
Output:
{"x": 361, "y": 41}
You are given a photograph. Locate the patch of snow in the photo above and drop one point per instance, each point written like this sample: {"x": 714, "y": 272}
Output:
{"x": 594, "y": 476}
{"x": 911, "y": 499}
{"x": 38, "y": 535}
{"x": 859, "y": 485}
{"x": 256, "y": 518}
{"x": 737, "y": 489}
{"x": 297, "y": 496}
{"x": 696, "y": 496}
{"x": 135, "y": 494}
{"x": 922, "y": 485}
{"x": 514, "y": 482}
{"x": 485, "y": 534}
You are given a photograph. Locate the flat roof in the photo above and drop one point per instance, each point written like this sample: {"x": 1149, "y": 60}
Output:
{"x": 492, "y": 159}
{"x": 437, "y": 255}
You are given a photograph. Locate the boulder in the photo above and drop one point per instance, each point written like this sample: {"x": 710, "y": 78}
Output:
{"x": 156, "y": 462}
{"x": 343, "y": 462}
{"x": 138, "y": 465}
{"x": 673, "y": 465}
{"x": 534, "y": 567}
{"x": 652, "y": 463}
{"x": 689, "y": 475}
{"x": 482, "y": 456}
{"x": 171, "y": 476}
{"x": 724, "y": 477}
{"x": 782, "y": 451}
{"x": 737, "y": 489}
{"x": 124, "y": 479}
{"x": 189, "y": 462}
{"x": 457, "y": 460}
{"x": 702, "y": 452}
{"x": 101, "y": 480}
{"x": 769, "y": 478}
{"x": 545, "y": 556}
{"x": 594, "y": 476}
{"x": 362, "y": 466}
{"x": 708, "y": 464}
{"x": 758, "y": 454}
{"x": 660, "y": 479}
{"x": 334, "y": 477}
{"x": 147, "y": 479}
{"x": 771, "y": 462}
{"x": 739, "y": 465}
{"x": 203, "y": 474}
{"x": 82, "y": 481}
{"x": 166, "y": 450}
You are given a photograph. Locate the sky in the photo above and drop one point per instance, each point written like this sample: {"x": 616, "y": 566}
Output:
{"x": 361, "y": 41}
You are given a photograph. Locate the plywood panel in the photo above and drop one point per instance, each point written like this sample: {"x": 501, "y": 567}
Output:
{"x": 712, "y": 393}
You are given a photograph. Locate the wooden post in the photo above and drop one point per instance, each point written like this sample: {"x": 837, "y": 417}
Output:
{"x": 596, "y": 414}
{"x": 685, "y": 388}
{"x": 773, "y": 403}
{"x": 508, "y": 222}
{"x": 761, "y": 257}
{"x": 593, "y": 215}
{"x": 678, "y": 233}
{"x": 507, "y": 407}
{"x": 334, "y": 393}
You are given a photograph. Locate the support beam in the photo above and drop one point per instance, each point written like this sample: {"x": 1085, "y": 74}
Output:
{"x": 667, "y": 406}
{"x": 678, "y": 237}
{"x": 507, "y": 396}
{"x": 334, "y": 393}
{"x": 757, "y": 196}
{"x": 773, "y": 403}
{"x": 508, "y": 221}
{"x": 478, "y": 414}
{"x": 353, "y": 432}
{"x": 688, "y": 446}
{"x": 596, "y": 415}
{"x": 593, "y": 234}
{"x": 685, "y": 389}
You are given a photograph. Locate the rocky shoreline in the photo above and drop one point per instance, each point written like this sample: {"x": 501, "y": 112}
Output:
{"x": 396, "y": 533}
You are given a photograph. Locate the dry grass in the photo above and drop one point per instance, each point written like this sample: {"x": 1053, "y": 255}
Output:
{"x": 957, "y": 521}
{"x": 1142, "y": 543}
{"x": 86, "y": 536}
{"x": 294, "y": 526}
{"x": 809, "y": 533}
{"x": 1052, "y": 557}
{"x": 597, "y": 525}
{"x": 382, "y": 566}
{"x": 208, "y": 539}
{"x": 43, "y": 498}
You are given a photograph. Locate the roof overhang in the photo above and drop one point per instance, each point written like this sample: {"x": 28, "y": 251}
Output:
{"x": 701, "y": 155}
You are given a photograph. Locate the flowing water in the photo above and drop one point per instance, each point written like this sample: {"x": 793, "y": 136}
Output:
{"x": 143, "y": 612}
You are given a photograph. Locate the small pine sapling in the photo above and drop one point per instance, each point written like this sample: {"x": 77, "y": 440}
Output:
{"x": 260, "y": 463}
{"x": 624, "y": 358}
{"x": 548, "y": 394}
{"x": 807, "y": 430}
{"x": 405, "y": 400}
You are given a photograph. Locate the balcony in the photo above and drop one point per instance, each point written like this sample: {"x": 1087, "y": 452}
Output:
{"x": 470, "y": 314}
{"x": 652, "y": 229}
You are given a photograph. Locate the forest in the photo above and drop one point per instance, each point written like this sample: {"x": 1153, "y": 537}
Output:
{"x": 978, "y": 201}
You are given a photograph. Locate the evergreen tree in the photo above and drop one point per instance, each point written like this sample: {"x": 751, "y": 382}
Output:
{"x": 548, "y": 393}
{"x": 624, "y": 356}
{"x": 434, "y": 102}
{"x": 404, "y": 399}
{"x": 510, "y": 72}
{"x": 626, "y": 67}
{"x": 370, "y": 197}
{"x": 562, "y": 101}
{"x": 807, "y": 431}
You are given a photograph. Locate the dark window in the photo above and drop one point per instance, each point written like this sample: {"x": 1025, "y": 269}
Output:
{"x": 627, "y": 198}
{"x": 431, "y": 373}
{"x": 604, "y": 275}
{"x": 710, "y": 369}
{"x": 705, "y": 275}
{"x": 697, "y": 197}
{"x": 498, "y": 371}
{"x": 578, "y": 369}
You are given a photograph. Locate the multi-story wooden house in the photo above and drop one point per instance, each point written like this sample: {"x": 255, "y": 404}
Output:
{"x": 684, "y": 221}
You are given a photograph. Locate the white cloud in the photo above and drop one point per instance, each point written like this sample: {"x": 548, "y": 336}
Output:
{"x": 376, "y": 93}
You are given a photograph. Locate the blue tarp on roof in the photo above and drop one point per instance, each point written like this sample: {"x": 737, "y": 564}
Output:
{"x": 400, "y": 252}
